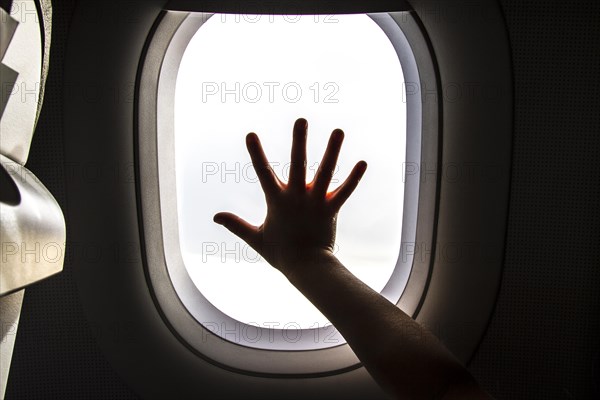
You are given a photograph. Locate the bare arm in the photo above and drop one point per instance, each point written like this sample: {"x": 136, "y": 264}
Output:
{"x": 405, "y": 359}
{"x": 297, "y": 238}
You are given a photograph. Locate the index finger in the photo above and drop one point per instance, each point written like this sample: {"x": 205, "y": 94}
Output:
{"x": 268, "y": 180}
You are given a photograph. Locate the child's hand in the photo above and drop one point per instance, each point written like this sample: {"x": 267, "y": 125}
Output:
{"x": 301, "y": 217}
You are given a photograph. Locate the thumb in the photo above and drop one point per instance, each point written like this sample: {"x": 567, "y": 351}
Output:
{"x": 239, "y": 227}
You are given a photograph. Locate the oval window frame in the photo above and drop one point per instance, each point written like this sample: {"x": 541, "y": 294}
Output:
{"x": 178, "y": 299}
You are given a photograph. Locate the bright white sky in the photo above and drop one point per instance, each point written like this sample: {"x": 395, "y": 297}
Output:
{"x": 349, "y": 77}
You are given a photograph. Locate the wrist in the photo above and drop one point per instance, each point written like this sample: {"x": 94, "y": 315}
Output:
{"x": 308, "y": 262}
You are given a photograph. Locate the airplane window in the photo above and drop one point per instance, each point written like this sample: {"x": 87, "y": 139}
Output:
{"x": 243, "y": 73}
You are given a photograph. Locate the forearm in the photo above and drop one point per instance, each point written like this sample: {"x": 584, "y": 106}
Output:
{"x": 405, "y": 359}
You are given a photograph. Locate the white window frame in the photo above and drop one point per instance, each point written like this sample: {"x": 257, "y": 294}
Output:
{"x": 202, "y": 327}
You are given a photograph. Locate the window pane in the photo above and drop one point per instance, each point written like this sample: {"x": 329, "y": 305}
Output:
{"x": 253, "y": 73}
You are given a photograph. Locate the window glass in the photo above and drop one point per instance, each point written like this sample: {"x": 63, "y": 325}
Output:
{"x": 259, "y": 73}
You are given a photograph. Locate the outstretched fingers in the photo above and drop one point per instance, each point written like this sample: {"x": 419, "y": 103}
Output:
{"x": 239, "y": 227}
{"x": 338, "y": 197}
{"x": 328, "y": 164}
{"x": 298, "y": 166}
{"x": 268, "y": 180}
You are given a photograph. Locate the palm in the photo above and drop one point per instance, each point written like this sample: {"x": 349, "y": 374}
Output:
{"x": 300, "y": 217}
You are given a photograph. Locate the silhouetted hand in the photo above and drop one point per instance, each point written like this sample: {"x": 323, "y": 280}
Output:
{"x": 301, "y": 217}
